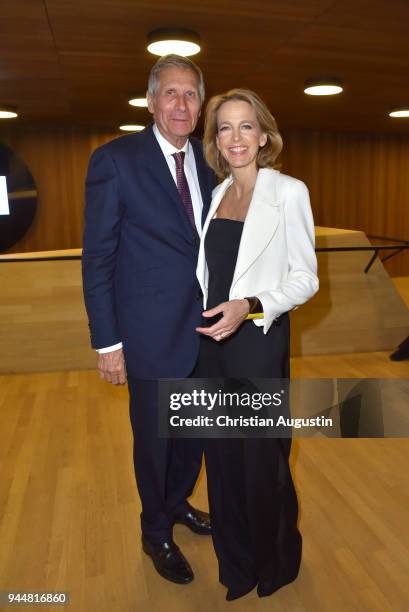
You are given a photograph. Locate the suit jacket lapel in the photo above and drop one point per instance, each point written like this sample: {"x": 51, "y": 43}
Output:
{"x": 261, "y": 221}
{"x": 155, "y": 161}
{"x": 157, "y": 165}
{"x": 203, "y": 176}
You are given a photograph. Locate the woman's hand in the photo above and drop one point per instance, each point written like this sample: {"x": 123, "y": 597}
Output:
{"x": 234, "y": 313}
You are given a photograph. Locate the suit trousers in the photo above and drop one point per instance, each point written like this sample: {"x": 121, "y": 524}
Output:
{"x": 166, "y": 469}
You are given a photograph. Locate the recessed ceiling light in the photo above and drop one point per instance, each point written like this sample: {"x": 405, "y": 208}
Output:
{"x": 323, "y": 87}
{"x": 181, "y": 42}
{"x": 402, "y": 111}
{"x": 130, "y": 127}
{"x": 138, "y": 101}
{"x": 8, "y": 112}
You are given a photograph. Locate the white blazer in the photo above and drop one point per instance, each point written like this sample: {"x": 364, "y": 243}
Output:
{"x": 276, "y": 260}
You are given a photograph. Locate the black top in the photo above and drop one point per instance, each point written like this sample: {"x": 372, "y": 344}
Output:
{"x": 221, "y": 248}
{"x": 248, "y": 352}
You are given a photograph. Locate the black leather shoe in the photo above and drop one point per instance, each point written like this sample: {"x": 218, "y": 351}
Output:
{"x": 402, "y": 351}
{"x": 267, "y": 588}
{"x": 169, "y": 561}
{"x": 196, "y": 520}
{"x": 233, "y": 594}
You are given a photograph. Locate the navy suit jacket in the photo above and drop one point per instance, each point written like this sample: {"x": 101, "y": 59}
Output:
{"x": 139, "y": 257}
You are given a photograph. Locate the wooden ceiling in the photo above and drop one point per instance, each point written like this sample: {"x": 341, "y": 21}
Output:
{"x": 75, "y": 62}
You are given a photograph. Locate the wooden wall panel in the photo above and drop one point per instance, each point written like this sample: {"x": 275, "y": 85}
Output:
{"x": 58, "y": 159}
{"x": 357, "y": 181}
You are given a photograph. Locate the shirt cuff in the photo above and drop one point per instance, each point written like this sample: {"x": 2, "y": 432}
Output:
{"x": 108, "y": 349}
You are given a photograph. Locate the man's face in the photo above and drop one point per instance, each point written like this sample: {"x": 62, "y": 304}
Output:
{"x": 176, "y": 104}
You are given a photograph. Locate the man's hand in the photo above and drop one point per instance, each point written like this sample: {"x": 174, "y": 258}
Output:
{"x": 111, "y": 367}
{"x": 234, "y": 313}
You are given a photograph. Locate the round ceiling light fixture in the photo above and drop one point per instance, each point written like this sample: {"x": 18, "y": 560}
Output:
{"x": 131, "y": 127}
{"x": 8, "y": 112}
{"x": 400, "y": 111}
{"x": 178, "y": 41}
{"x": 139, "y": 101}
{"x": 324, "y": 86}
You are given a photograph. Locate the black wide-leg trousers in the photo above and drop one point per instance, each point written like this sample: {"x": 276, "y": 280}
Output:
{"x": 253, "y": 508}
{"x": 252, "y": 499}
{"x": 166, "y": 470}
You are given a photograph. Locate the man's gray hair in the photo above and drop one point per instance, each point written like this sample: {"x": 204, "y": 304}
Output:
{"x": 178, "y": 61}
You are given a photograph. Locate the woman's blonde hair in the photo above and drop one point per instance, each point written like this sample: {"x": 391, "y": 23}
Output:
{"x": 267, "y": 154}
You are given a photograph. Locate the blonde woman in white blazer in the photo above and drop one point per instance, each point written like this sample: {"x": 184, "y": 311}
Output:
{"x": 256, "y": 258}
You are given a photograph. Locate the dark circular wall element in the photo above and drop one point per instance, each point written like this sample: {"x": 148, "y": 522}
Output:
{"x": 18, "y": 198}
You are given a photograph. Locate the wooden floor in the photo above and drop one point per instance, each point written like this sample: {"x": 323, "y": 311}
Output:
{"x": 69, "y": 512}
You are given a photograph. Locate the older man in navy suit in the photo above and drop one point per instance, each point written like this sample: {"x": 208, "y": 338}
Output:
{"x": 146, "y": 197}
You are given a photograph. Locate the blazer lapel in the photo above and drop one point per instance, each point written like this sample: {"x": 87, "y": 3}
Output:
{"x": 261, "y": 221}
{"x": 156, "y": 162}
{"x": 201, "y": 262}
{"x": 203, "y": 176}
{"x": 157, "y": 165}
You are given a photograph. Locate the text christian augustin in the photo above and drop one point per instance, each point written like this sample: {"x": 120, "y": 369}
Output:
{"x": 201, "y": 399}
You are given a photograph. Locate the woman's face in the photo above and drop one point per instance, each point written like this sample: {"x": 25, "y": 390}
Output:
{"x": 239, "y": 135}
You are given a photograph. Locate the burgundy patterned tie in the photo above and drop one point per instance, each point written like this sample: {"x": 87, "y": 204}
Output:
{"x": 183, "y": 186}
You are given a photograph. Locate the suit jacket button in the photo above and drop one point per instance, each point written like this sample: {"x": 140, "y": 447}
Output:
{"x": 195, "y": 241}
{"x": 199, "y": 294}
